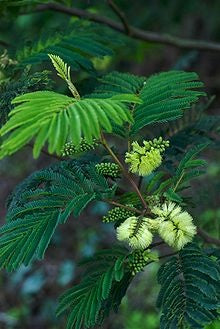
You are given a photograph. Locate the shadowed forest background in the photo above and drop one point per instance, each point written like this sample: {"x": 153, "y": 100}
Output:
{"x": 28, "y": 297}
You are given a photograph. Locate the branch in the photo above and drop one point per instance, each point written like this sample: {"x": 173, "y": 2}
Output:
{"x": 156, "y": 244}
{"x": 140, "y": 182}
{"x": 134, "y": 32}
{"x": 45, "y": 152}
{"x": 114, "y": 203}
{"x": 164, "y": 256}
{"x": 169, "y": 255}
{"x": 207, "y": 238}
{"x": 121, "y": 16}
{"x": 4, "y": 44}
{"x": 126, "y": 174}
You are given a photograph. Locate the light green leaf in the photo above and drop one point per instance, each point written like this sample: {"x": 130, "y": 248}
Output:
{"x": 54, "y": 118}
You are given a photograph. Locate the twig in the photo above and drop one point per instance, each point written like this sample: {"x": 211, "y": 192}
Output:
{"x": 121, "y": 16}
{"x": 134, "y": 32}
{"x": 140, "y": 182}
{"x": 123, "y": 206}
{"x": 45, "y": 152}
{"x": 4, "y": 44}
{"x": 169, "y": 255}
{"x": 179, "y": 180}
{"x": 207, "y": 238}
{"x": 156, "y": 244}
{"x": 126, "y": 174}
{"x": 50, "y": 155}
{"x": 164, "y": 256}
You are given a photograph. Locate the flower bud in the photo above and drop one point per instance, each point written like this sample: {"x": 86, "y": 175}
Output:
{"x": 71, "y": 149}
{"x": 117, "y": 214}
{"x": 138, "y": 259}
{"x": 108, "y": 169}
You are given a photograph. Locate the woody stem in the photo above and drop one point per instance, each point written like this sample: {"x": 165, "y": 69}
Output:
{"x": 123, "y": 206}
{"x": 126, "y": 174}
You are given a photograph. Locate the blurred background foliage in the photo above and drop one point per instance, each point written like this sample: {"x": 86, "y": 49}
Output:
{"x": 28, "y": 297}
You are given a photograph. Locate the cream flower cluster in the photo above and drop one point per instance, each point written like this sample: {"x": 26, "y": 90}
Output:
{"x": 144, "y": 159}
{"x": 174, "y": 225}
{"x": 135, "y": 231}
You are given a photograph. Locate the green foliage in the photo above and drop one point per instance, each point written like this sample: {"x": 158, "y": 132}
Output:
{"x": 103, "y": 285}
{"x": 41, "y": 202}
{"x": 187, "y": 170}
{"x": 195, "y": 127}
{"x": 189, "y": 292}
{"x": 204, "y": 130}
{"x": 190, "y": 118}
{"x": 188, "y": 167}
{"x": 140, "y": 320}
{"x": 119, "y": 83}
{"x": 76, "y": 46}
{"x": 27, "y": 82}
{"x": 63, "y": 70}
{"x": 47, "y": 116}
{"x": 22, "y": 2}
{"x": 121, "y": 104}
{"x": 164, "y": 95}
{"x": 25, "y": 239}
{"x": 130, "y": 198}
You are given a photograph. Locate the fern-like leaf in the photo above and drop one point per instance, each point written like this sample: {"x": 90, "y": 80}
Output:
{"x": 41, "y": 202}
{"x": 54, "y": 117}
{"x": 119, "y": 83}
{"x": 164, "y": 95}
{"x": 189, "y": 289}
{"x": 26, "y": 82}
{"x": 77, "y": 46}
{"x": 63, "y": 70}
{"x": 104, "y": 284}
{"x": 24, "y": 239}
{"x": 188, "y": 169}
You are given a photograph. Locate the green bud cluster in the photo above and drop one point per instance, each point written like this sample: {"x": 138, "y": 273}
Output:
{"x": 153, "y": 201}
{"x": 139, "y": 259}
{"x": 71, "y": 149}
{"x": 108, "y": 169}
{"x": 117, "y": 214}
{"x": 157, "y": 143}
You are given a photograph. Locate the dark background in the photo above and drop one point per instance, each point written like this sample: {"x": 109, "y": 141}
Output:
{"x": 28, "y": 297}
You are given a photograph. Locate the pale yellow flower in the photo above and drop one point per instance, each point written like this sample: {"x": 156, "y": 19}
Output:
{"x": 143, "y": 159}
{"x": 175, "y": 226}
{"x": 136, "y": 232}
{"x": 149, "y": 162}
